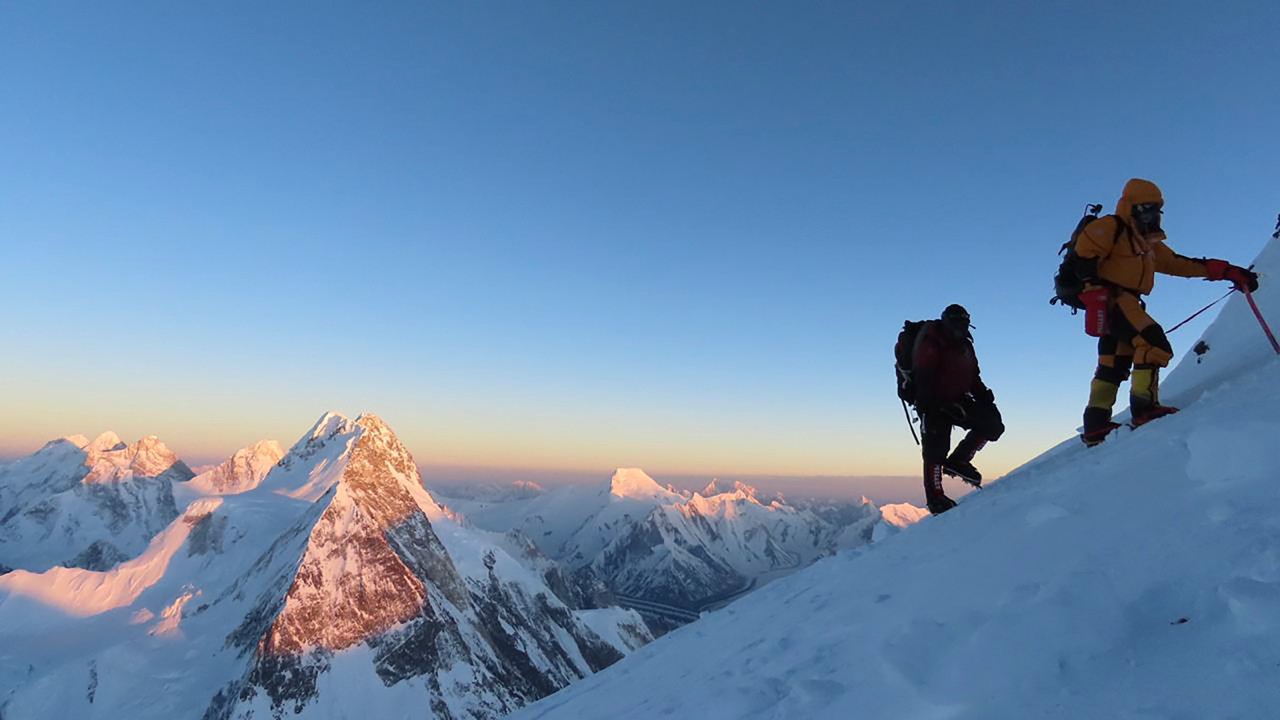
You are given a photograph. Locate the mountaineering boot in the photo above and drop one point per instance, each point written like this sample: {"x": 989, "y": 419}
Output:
{"x": 1097, "y": 416}
{"x": 1148, "y": 414}
{"x": 960, "y": 464}
{"x": 1097, "y": 425}
{"x": 935, "y": 499}
{"x": 1097, "y": 435}
{"x": 1144, "y": 396}
{"x": 963, "y": 471}
{"x": 941, "y": 504}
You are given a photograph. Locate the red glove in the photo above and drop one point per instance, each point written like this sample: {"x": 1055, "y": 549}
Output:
{"x": 1244, "y": 279}
{"x": 1217, "y": 269}
{"x": 1095, "y": 311}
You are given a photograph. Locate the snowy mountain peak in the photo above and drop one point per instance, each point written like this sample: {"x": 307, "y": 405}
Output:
{"x": 111, "y": 460}
{"x": 71, "y": 444}
{"x": 380, "y": 460}
{"x": 375, "y": 425}
{"x": 738, "y": 488}
{"x": 243, "y": 471}
{"x": 371, "y": 559}
{"x": 86, "y": 504}
{"x": 528, "y": 488}
{"x": 328, "y": 591}
{"x": 329, "y": 425}
{"x": 635, "y": 484}
{"x": 900, "y": 515}
{"x": 78, "y": 441}
{"x": 106, "y": 442}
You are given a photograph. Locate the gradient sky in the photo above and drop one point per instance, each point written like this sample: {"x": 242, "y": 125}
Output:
{"x": 680, "y": 236}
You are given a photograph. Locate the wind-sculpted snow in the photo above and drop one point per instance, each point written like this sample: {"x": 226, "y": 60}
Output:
{"x": 86, "y": 504}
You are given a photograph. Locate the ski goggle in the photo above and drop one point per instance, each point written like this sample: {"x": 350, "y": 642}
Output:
{"x": 1147, "y": 213}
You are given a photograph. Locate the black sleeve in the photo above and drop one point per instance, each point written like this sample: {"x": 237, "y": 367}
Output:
{"x": 981, "y": 392}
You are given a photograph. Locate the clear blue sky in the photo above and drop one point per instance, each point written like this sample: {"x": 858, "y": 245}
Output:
{"x": 675, "y": 235}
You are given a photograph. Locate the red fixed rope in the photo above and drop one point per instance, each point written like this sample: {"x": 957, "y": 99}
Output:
{"x": 1261, "y": 321}
{"x": 1197, "y": 313}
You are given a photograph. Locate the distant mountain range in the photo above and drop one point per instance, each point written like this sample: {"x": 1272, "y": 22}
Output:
{"x": 665, "y": 547}
{"x": 324, "y": 581}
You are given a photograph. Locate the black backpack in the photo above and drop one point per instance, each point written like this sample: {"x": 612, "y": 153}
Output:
{"x": 1067, "y": 284}
{"x": 902, "y": 354}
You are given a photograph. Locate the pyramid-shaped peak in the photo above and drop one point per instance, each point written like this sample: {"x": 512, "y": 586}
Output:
{"x": 380, "y": 450}
{"x": 374, "y": 424}
{"x": 150, "y": 457}
{"x": 330, "y": 424}
{"x": 635, "y": 484}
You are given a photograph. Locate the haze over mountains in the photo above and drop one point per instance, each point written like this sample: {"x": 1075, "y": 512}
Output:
{"x": 684, "y": 549}
{"x": 457, "y": 481}
{"x": 325, "y": 579}
{"x": 1137, "y": 579}
{"x": 315, "y": 585}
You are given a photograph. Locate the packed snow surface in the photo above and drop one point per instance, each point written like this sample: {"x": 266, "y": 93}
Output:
{"x": 1137, "y": 579}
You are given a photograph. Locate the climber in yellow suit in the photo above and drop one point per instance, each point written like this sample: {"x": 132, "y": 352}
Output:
{"x": 1120, "y": 254}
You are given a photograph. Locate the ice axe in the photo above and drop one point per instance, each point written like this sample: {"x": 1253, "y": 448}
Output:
{"x": 910, "y": 423}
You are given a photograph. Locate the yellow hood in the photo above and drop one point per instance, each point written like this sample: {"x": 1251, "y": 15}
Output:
{"x": 1136, "y": 192}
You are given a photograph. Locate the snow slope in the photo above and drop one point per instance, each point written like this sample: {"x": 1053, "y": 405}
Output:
{"x": 1138, "y": 579}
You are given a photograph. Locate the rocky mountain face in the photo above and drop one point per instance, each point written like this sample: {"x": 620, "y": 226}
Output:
{"x": 375, "y": 573}
{"x": 332, "y": 586}
{"x": 88, "y": 504}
